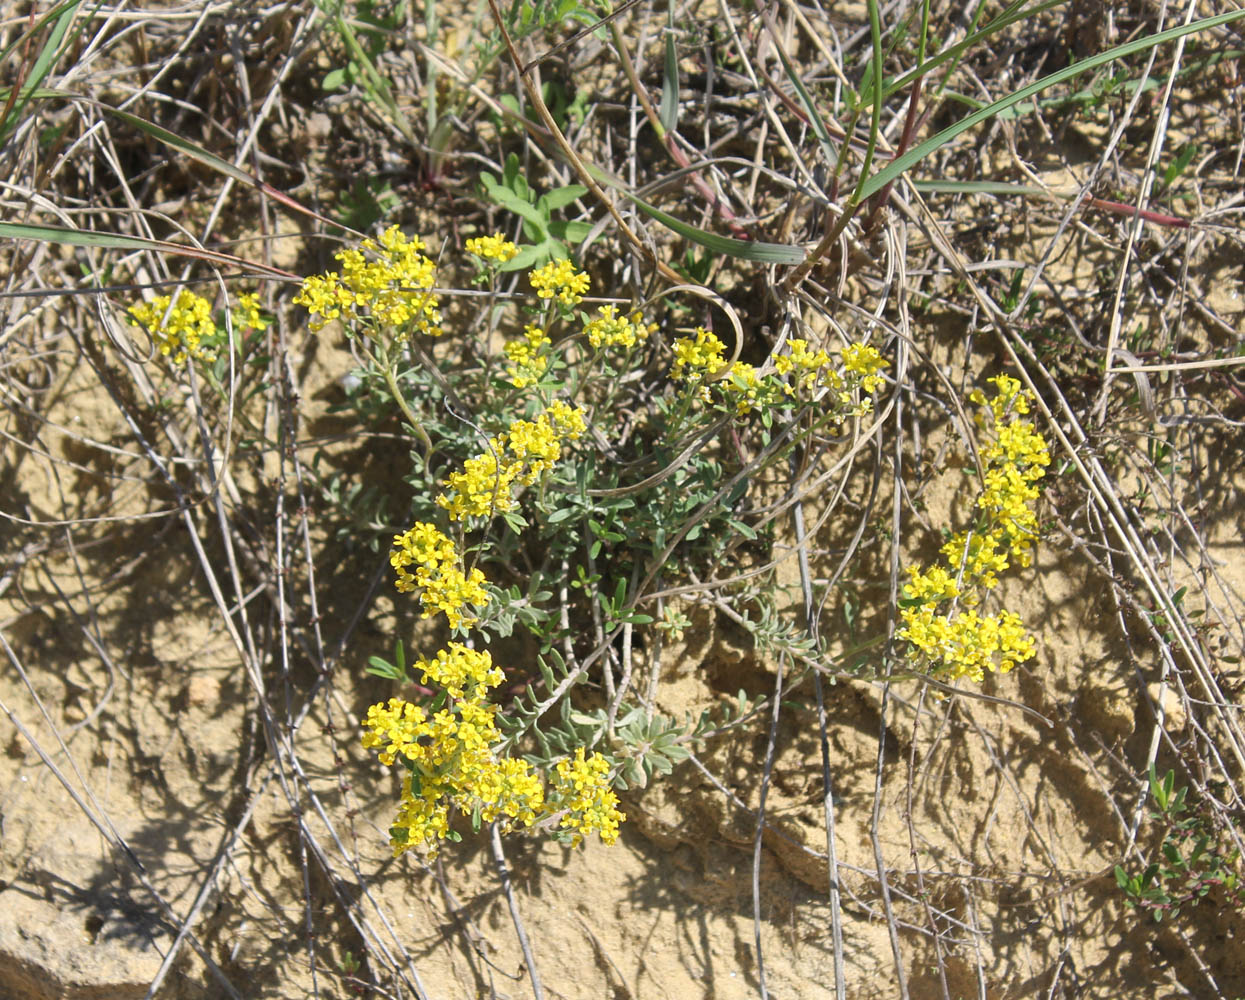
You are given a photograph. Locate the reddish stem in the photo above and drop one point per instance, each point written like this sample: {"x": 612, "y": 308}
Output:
{"x": 909, "y": 126}
{"x": 1158, "y": 218}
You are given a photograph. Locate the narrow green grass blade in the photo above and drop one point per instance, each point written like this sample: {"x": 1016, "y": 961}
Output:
{"x": 1126, "y": 87}
{"x": 875, "y": 121}
{"x": 669, "y": 114}
{"x": 195, "y": 152}
{"x": 64, "y": 15}
{"x": 51, "y": 50}
{"x": 1016, "y": 12}
{"x": 810, "y": 106}
{"x": 977, "y": 187}
{"x": 381, "y": 94}
{"x": 762, "y": 253}
{"x": 913, "y": 156}
{"x": 115, "y": 241}
{"x": 41, "y": 94}
{"x": 184, "y": 146}
{"x": 20, "y": 40}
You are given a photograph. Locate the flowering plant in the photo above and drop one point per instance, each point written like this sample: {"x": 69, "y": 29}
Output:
{"x": 945, "y": 632}
{"x": 568, "y": 476}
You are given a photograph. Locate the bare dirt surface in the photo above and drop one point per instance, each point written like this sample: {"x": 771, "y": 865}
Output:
{"x": 186, "y": 810}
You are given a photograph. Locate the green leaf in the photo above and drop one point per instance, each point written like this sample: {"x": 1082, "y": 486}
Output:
{"x": 810, "y": 106}
{"x": 508, "y": 200}
{"x": 1178, "y": 166}
{"x": 115, "y": 241}
{"x": 570, "y": 232}
{"x": 63, "y": 16}
{"x": 511, "y": 172}
{"x": 915, "y": 155}
{"x": 1004, "y": 188}
{"x": 527, "y": 257}
{"x": 381, "y": 667}
{"x": 334, "y": 79}
{"x": 762, "y": 253}
{"x": 633, "y": 774}
{"x": 677, "y": 753}
{"x": 669, "y": 114}
{"x": 1017, "y": 11}
{"x": 559, "y": 198}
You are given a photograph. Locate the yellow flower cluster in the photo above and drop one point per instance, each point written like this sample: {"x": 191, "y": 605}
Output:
{"x": 964, "y": 643}
{"x": 450, "y": 756}
{"x": 453, "y": 762}
{"x": 698, "y": 357}
{"x": 521, "y": 456}
{"x": 528, "y": 361}
{"x": 968, "y": 644}
{"x": 438, "y": 572}
{"x": 246, "y": 314}
{"x": 808, "y": 369}
{"x": 178, "y": 331}
{"x": 862, "y": 366}
{"x": 582, "y": 789}
{"x": 799, "y": 369}
{"x": 611, "y": 330}
{"x": 560, "y": 278}
{"x": 452, "y": 750}
{"x": 495, "y": 247}
{"x": 389, "y": 280}
{"x": 865, "y": 363}
{"x": 1014, "y": 460}
{"x": 745, "y": 387}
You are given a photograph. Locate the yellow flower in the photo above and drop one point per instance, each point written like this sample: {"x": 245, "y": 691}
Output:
{"x": 568, "y": 420}
{"x": 246, "y": 314}
{"x": 438, "y": 574}
{"x": 388, "y": 280}
{"x": 935, "y": 585}
{"x": 560, "y": 278}
{"x": 462, "y": 671}
{"x": 452, "y": 761}
{"x": 698, "y": 357}
{"x": 808, "y": 367}
{"x": 965, "y": 643}
{"x": 495, "y": 247}
{"x": 611, "y": 330}
{"x": 582, "y": 788}
{"x": 864, "y": 362}
{"x": 527, "y": 450}
{"x": 178, "y": 328}
{"x": 527, "y": 359}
